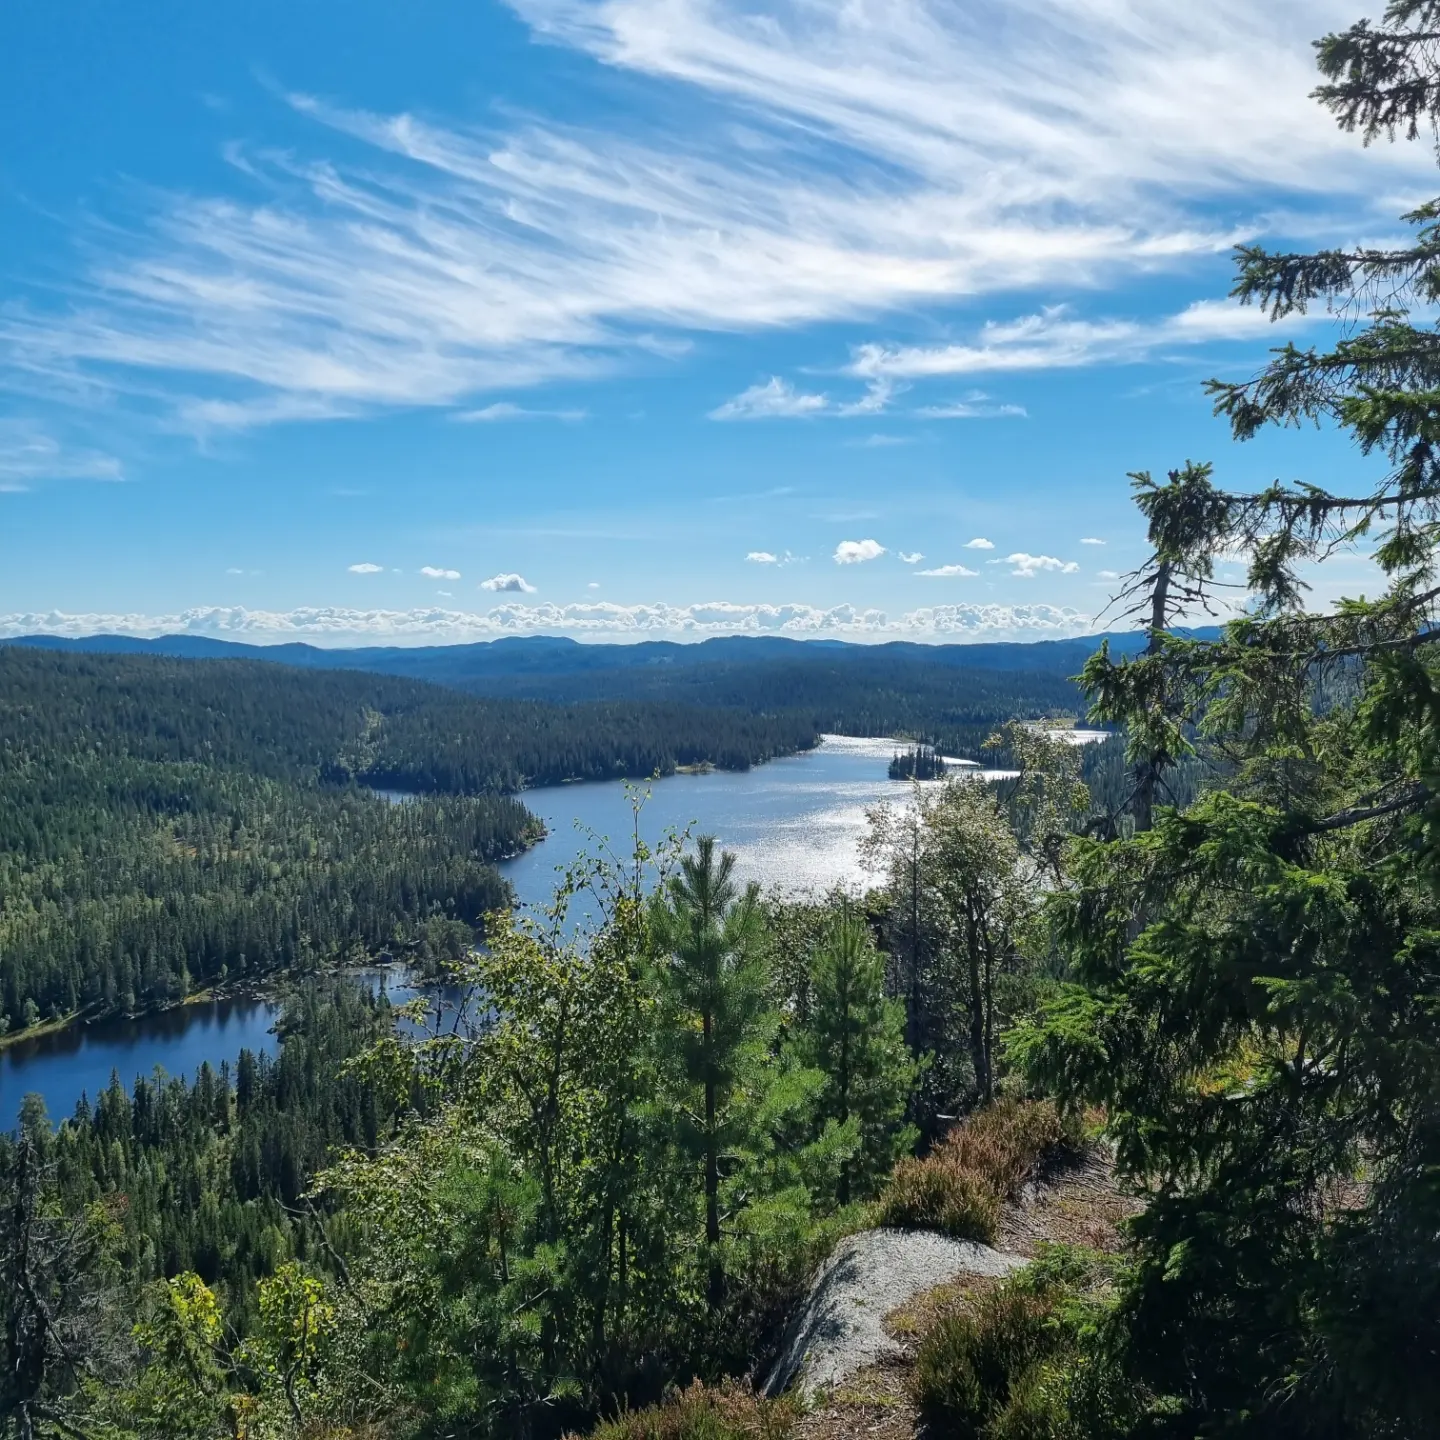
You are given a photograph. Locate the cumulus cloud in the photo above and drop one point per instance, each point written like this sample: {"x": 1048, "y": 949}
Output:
{"x": 979, "y": 543}
{"x": 913, "y": 558}
{"x": 776, "y": 399}
{"x": 857, "y": 552}
{"x": 1091, "y": 540}
{"x": 593, "y": 585}
{"x": 434, "y": 572}
{"x": 899, "y": 155}
{"x": 366, "y": 568}
{"x": 762, "y": 557}
{"x": 435, "y": 625}
{"x": 948, "y": 571}
{"x": 516, "y": 584}
{"x": 1028, "y": 566}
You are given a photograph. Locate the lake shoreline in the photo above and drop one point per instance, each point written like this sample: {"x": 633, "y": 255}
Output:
{"x": 793, "y": 821}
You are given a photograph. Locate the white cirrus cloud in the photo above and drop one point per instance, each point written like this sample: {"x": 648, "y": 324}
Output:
{"x": 507, "y": 410}
{"x": 366, "y": 568}
{"x": 338, "y": 625}
{"x": 1056, "y": 339}
{"x": 774, "y": 399}
{"x": 896, "y": 154}
{"x": 29, "y": 453}
{"x": 979, "y": 543}
{"x": 763, "y": 557}
{"x": 1091, "y": 540}
{"x": 949, "y": 571}
{"x": 913, "y": 557}
{"x": 875, "y": 401}
{"x": 1029, "y": 566}
{"x": 510, "y": 583}
{"x": 1108, "y": 574}
{"x": 972, "y": 410}
{"x": 857, "y": 552}
{"x": 435, "y": 572}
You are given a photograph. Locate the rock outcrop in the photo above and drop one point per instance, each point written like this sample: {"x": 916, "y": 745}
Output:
{"x": 839, "y": 1329}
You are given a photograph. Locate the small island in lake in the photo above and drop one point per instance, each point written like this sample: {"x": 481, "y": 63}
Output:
{"x": 922, "y": 762}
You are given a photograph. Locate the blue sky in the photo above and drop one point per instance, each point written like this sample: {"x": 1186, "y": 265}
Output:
{"x": 628, "y": 318}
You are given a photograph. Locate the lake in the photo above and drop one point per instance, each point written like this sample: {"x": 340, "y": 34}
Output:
{"x": 793, "y": 823}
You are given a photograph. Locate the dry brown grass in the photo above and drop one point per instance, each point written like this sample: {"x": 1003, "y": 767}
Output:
{"x": 960, "y": 1187}
{"x": 729, "y": 1411}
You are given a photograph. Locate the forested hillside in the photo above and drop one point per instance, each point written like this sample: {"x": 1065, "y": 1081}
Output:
{"x": 275, "y": 720}
{"x": 164, "y": 827}
{"x": 612, "y": 714}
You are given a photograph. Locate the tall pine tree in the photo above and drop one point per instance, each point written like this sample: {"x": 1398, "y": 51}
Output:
{"x": 716, "y": 1020}
{"x": 856, "y": 1038}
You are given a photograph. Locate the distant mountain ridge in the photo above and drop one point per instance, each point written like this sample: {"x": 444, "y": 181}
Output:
{"x": 552, "y": 667}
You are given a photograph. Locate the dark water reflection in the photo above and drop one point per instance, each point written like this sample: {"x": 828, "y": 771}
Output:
{"x": 80, "y": 1059}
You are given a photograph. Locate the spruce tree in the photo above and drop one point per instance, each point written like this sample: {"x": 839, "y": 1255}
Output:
{"x": 1256, "y": 996}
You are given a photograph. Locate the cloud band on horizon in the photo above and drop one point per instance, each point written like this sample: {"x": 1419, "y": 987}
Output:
{"x": 339, "y": 624}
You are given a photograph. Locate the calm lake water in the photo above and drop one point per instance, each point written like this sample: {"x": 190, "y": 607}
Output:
{"x": 794, "y": 824}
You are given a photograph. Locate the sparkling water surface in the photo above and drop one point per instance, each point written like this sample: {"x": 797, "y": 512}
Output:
{"x": 794, "y": 824}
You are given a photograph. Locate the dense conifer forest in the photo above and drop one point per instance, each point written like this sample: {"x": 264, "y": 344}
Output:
{"x": 214, "y": 1174}
{"x": 276, "y": 721}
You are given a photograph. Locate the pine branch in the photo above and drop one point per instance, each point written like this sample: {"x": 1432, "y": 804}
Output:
{"x": 1416, "y": 795}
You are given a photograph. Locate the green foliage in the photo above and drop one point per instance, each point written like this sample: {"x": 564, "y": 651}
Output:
{"x": 602, "y": 1157}
{"x": 1022, "y": 1361}
{"x": 168, "y": 824}
{"x": 60, "y": 1332}
{"x": 964, "y": 865}
{"x": 386, "y": 731}
{"x": 854, "y": 1036}
{"x": 617, "y": 1173}
{"x": 1256, "y": 996}
{"x": 726, "y": 1096}
{"x": 182, "y": 1389}
{"x": 211, "y": 1176}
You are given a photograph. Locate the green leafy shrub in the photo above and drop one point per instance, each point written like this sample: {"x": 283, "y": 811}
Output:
{"x": 726, "y": 1412}
{"x": 1024, "y": 1361}
{"x": 959, "y": 1187}
{"x": 971, "y": 1361}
